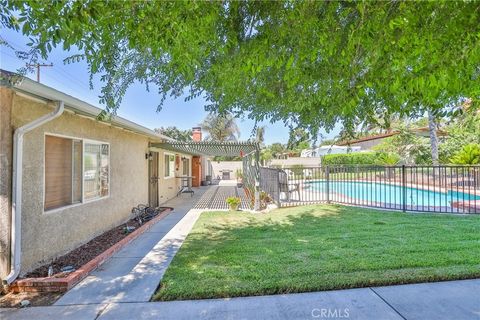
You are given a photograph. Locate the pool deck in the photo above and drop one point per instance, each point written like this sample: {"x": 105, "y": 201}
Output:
{"x": 307, "y": 195}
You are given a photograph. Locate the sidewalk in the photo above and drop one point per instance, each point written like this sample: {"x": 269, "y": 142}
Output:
{"x": 457, "y": 300}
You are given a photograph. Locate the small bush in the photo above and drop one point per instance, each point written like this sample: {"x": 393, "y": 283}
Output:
{"x": 387, "y": 159}
{"x": 469, "y": 154}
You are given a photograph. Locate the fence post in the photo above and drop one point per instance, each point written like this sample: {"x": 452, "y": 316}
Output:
{"x": 404, "y": 189}
{"x": 327, "y": 175}
{"x": 257, "y": 204}
{"x": 277, "y": 186}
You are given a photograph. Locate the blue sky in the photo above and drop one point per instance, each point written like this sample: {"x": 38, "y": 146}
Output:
{"x": 138, "y": 105}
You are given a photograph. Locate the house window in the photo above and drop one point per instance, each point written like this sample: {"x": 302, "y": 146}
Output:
{"x": 169, "y": 165}
{"x": 96, "y": 166}
{"x": 74, "y": 171}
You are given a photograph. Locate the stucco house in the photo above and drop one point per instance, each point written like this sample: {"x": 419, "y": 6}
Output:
{"x": 67, "y": 177}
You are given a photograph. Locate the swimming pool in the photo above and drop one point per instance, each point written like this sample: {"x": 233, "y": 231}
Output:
{"x": 372, "y": 192}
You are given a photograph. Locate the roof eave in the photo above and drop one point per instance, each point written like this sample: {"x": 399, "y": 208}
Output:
{"x": 31, "y": 87}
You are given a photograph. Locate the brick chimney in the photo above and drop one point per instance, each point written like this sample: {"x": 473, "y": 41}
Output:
{"x": 197, "y": 134}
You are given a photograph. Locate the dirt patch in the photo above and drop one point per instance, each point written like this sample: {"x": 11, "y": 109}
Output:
{"x": 12, "y": 300}
{"x": 83, "y": 254}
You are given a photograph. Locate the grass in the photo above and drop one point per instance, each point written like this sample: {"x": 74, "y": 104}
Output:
{"x": 320, "y": 247}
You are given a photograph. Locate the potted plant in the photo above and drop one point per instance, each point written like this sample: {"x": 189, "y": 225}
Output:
{"x": 233, "y": 203}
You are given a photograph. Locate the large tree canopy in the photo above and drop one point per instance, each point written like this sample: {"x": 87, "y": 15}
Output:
{"x": 307, "y": 63}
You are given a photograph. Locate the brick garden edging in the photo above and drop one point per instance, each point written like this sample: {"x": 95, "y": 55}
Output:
{"x": 51, "y": 284}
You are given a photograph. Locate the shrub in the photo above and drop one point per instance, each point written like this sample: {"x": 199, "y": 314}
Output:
{"x": 387, "y": 159}
{"x": 362, "y": 158}
{"x": 350, "y": 158}
{"x": 469, "y": 154}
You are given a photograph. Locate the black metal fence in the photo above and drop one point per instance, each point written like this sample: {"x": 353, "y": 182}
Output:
{"x": 407, "y": 188}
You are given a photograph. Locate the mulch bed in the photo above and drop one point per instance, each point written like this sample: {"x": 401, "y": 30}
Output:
{"x": 83, "y": 254}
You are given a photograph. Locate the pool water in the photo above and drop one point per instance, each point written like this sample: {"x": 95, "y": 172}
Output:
{"x": 391, "y": 194}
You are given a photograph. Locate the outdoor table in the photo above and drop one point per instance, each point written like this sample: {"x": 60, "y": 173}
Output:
{"x": 186, "y": 185}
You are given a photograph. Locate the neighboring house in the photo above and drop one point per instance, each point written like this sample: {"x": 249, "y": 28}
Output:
{"x": 67, "y": 177}
{"x": 368, "y": 142}
{"x": 324, "y": 150}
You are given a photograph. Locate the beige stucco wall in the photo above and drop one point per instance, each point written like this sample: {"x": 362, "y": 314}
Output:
{"x": 6, "y": 98}
{"x": 306, "y": 162}
{"x": 52, "y": 233}
{"x": 233, "y": 166}
{"x": 368, "y": 145}
{"x": 168, "y": 187}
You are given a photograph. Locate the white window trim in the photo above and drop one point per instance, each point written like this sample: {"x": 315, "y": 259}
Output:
{"x": 164, "y": 165}
{"x": 45, "y": 134}
{"x": 189, "y": 163}
{"x": 83, "y": 170}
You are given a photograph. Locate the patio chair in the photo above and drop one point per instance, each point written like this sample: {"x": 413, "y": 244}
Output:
{"x": 287, "y": 187}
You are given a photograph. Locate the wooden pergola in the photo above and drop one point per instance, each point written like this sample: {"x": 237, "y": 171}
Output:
{"x": 249, "y": 151}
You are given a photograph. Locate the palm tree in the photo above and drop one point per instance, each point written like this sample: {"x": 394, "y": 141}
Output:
{"x": 220, "y": 127}
{"x": 260, "y": 136}
{"x": 432, "y": 128}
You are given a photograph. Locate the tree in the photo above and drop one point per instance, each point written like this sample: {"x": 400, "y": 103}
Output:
{"x": 260, "y": 136}
{"x": 266, "y": 156}
{"x": 220, "y": 127}
{"x": 461, "y": 130}
{"x": 175, "y": 133}
{"x": 411, "y": 148}
{"x": 432, "y": 129}
{"x": 278, "y": 149}
{"x": 298, "y": 136}
{"x": 307, "y": 63}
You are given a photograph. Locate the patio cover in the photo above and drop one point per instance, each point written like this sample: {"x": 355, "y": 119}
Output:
{"x": 210, "y": 148}
{"x": 248, "y": 150}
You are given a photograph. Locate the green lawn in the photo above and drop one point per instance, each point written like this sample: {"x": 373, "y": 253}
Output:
{"x": 319, "y": 247}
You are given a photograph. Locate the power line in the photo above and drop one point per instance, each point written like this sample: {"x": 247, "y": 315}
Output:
{"x": 57, "y": 70}
{"x": 38, "y": 66}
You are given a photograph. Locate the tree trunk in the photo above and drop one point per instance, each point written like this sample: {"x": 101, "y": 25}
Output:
{"x": 432, "y": 127}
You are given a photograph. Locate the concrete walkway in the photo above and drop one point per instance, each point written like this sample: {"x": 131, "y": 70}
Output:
{"x": 457, "y": 300}
{"x": 133, "y": 273}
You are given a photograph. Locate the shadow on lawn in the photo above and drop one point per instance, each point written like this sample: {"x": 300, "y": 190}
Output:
{"x": 235, "y": 224}
{"x": 319, "y": 248}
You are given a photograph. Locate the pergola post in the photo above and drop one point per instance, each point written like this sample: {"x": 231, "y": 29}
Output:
{"x": 256, "y": 205}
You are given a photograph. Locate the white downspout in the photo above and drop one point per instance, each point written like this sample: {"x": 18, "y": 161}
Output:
{"x": 16, "y": 233}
